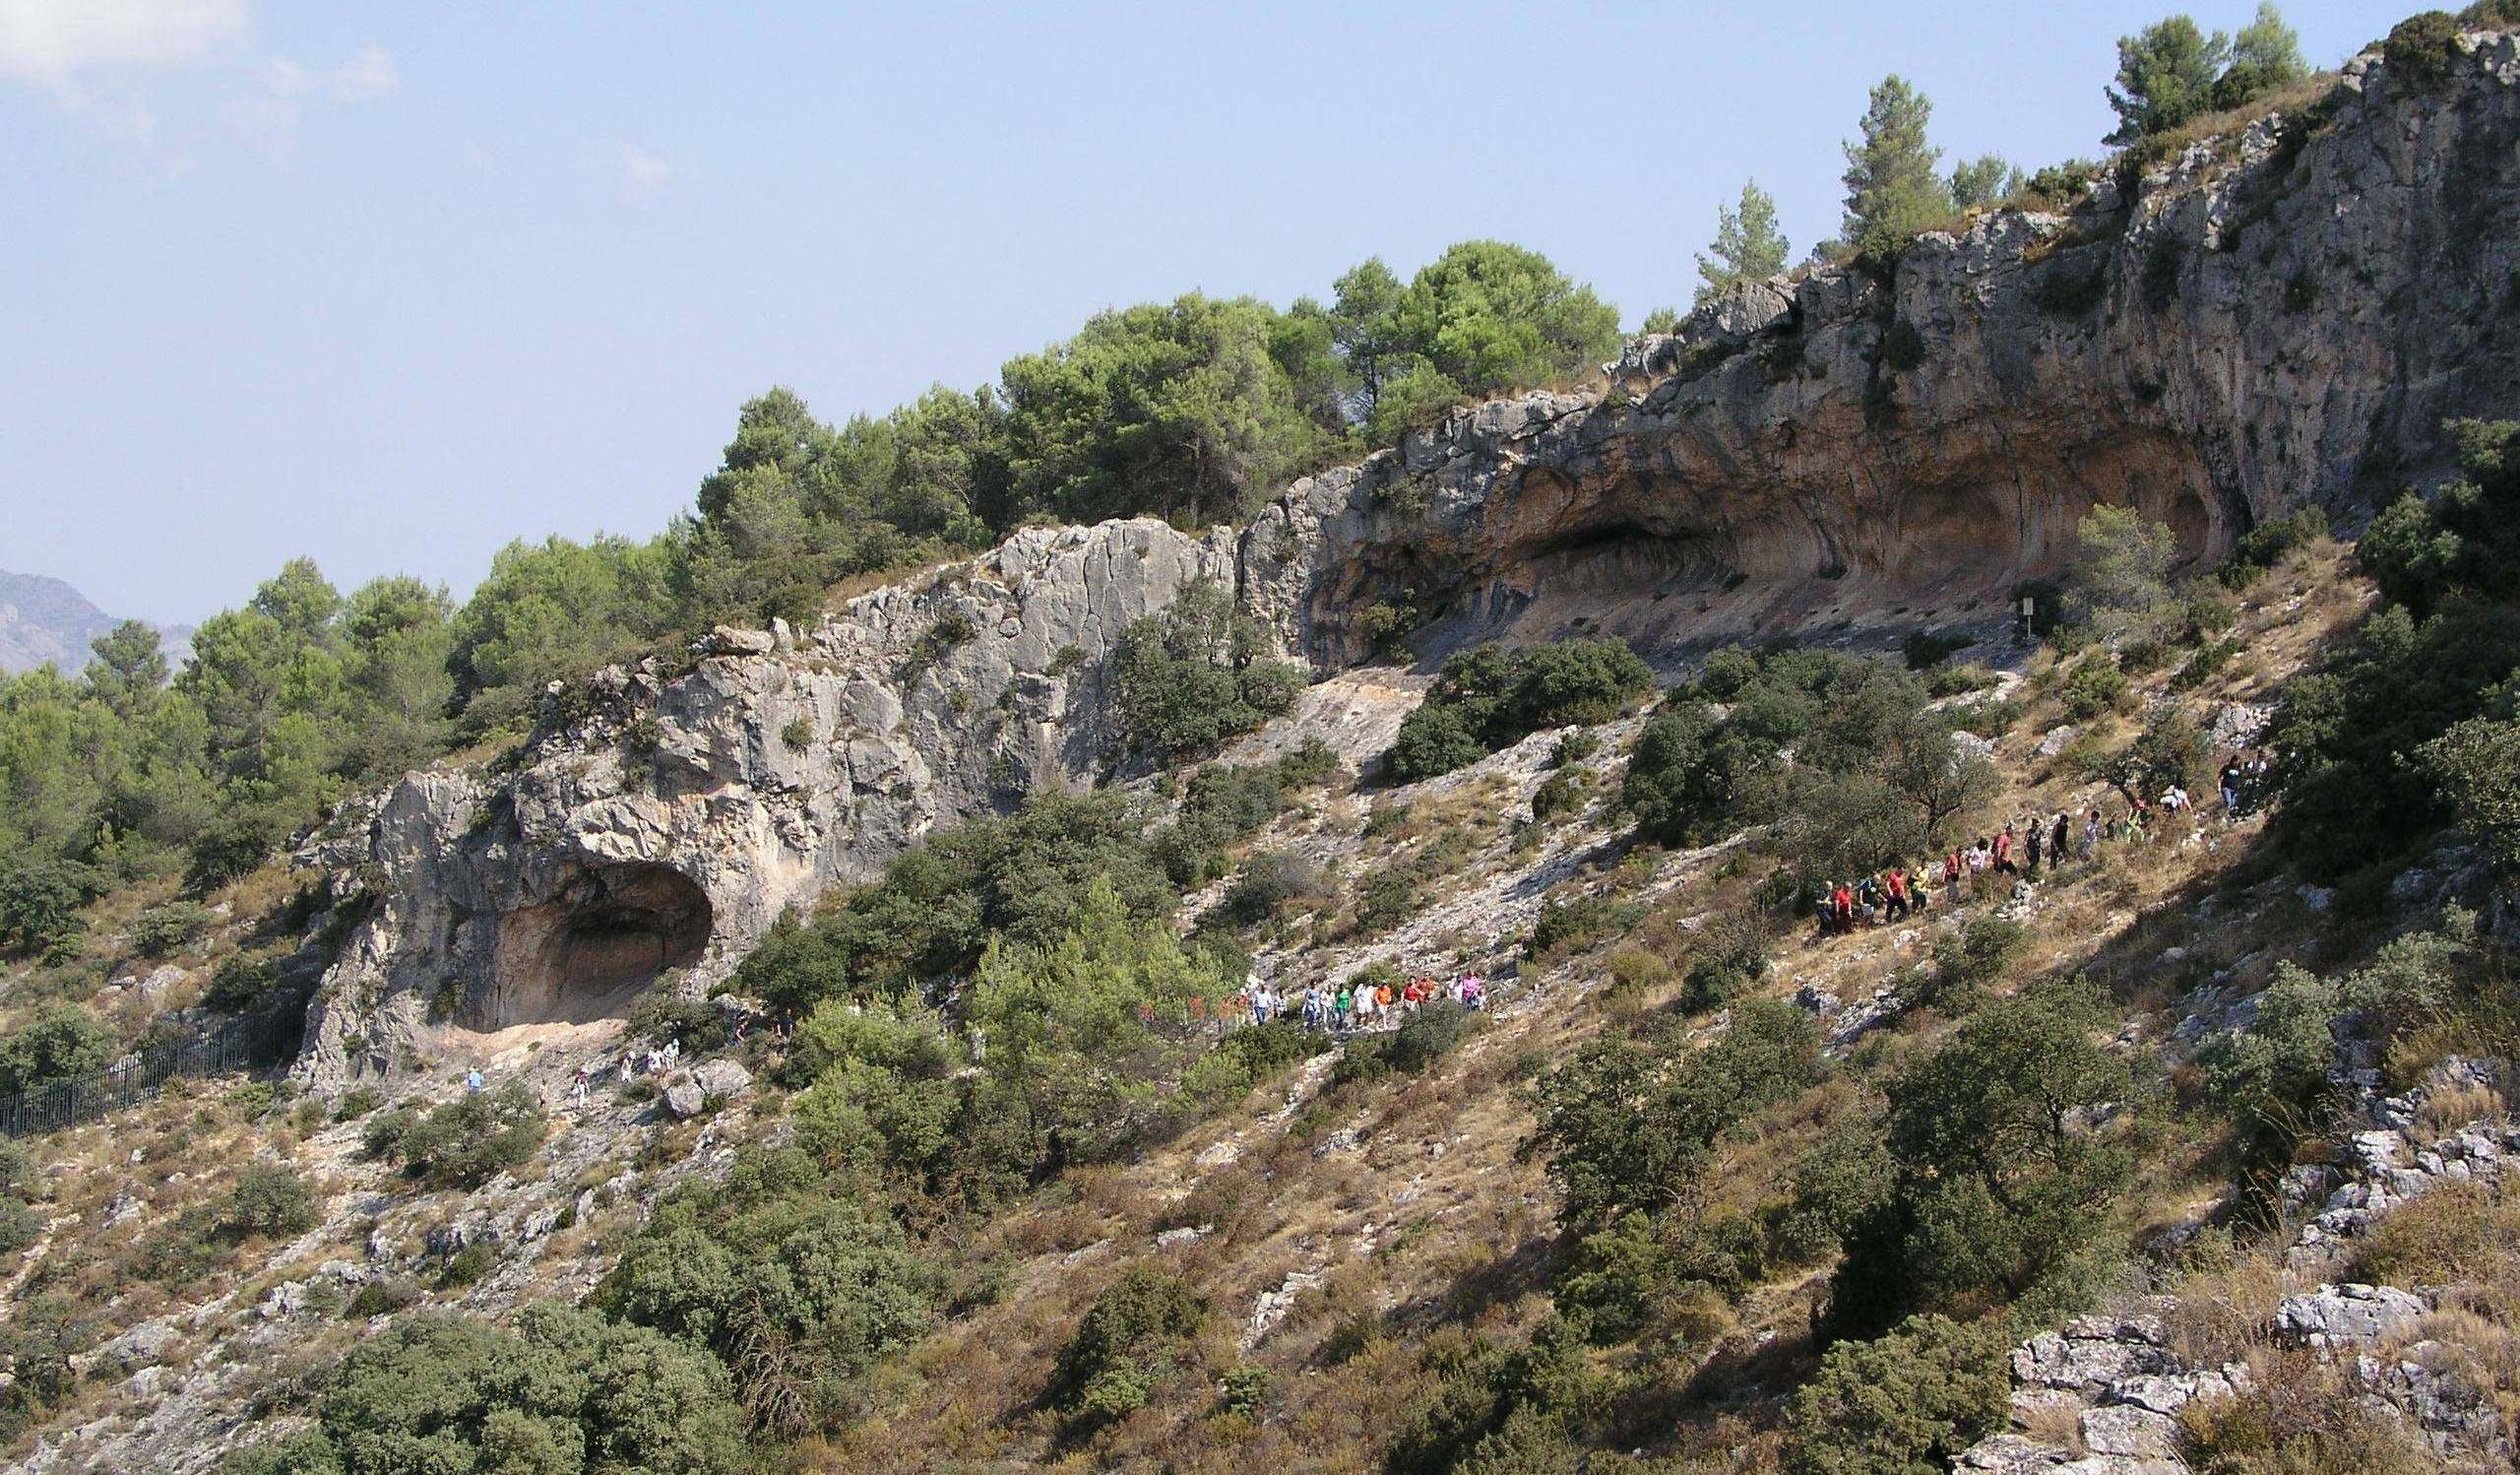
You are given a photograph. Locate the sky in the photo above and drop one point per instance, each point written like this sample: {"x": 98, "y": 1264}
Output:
{"x": 393, "y": 285}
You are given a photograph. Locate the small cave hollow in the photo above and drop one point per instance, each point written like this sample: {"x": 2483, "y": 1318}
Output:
{"x": 584, "y": 954}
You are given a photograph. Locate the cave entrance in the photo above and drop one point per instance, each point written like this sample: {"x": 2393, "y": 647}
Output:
{"x": 584, "y": 953}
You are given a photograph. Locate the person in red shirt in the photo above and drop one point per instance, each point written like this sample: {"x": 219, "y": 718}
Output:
{"x": 2004, "y": 852}
{"x": 1842, "y": 902}
{"x": 1895, "y": 883}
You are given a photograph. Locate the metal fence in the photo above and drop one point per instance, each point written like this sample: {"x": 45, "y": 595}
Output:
{"x": 257, "y": 1040}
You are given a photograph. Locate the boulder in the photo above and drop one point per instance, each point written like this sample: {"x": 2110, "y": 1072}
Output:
{"x": 684, "y": 1098}
{"x": 2347, "y": 1314}
{"x": 722, "y": 1079}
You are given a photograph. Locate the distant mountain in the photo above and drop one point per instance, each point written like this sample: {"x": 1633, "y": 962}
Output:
{"x": 43, "y": 619}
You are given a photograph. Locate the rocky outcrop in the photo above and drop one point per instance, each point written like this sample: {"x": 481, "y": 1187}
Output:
{"x": 2277, "y": 318}
{"x": 2282, "y": 317}
{"x": 670, "y": 822}
{"x": 2116, "y": 1382}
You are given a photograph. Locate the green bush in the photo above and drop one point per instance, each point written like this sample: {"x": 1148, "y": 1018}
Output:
{"x": 242, "y": 982}
{"x": 2422, "y": 49}
{"x": 1488, "y": 697}
{"x": 1126, "y": 1342}
{"x": 662, "y": 1014}
{"x": 1268, "y": 882}
{"x": 778, "y": 1257}
{"x": 565, "y": 1393}
{"x": 1427, "y": 1035}
{"x": 1022, "y": 878}
{"x": 463, "y": 1143}
{"x": 1967, "y": 962}
{"x": 1923, "y": 650}
{"x": 162, "y": 930}
{"x": 1733, "y": 956}
{"x": 1561, "y": 793}
{"x": 1187, "y": 680}
{"x": 268, "y": 1198}
{"x": 1630, "y": 1122}
{"x": 2263, "y": 547}
{"x": 2094, "y": 687}
{"x": 2000, "y": 1191}
{"x": 19, "y": 1224}
{"x": 55, "y": 1042}
{"x": 1245, "y": 1389}
{"x": 1903, "y": 1404}
{"x": 39, "y": 902}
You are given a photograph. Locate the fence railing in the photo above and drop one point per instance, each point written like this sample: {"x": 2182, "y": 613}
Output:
{"x": 254, "y": 1041}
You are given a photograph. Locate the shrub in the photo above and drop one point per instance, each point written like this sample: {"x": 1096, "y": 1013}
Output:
{"x": 662, "y": 1014}
{"x": 1561, "y": 793}
{"x": 2422, "y": 49}
{"x": 1733, "y": 957}
{"x": 2263, "y": 547}
{"x": 1388, "y": 898}
{"x": 1903, "y": 1404}
{"x": 1126, "y": 1341}
{"x": 1245, "y": 1389}
{"x": 2476, "y": 766}
{"x": 1576, "y": 746}
{"x": 242, "y": 982}
{"x": 797, "y": 733}
{"x": 465, "y": 1142}
{"x": 1269, "y": 881}
{"x": 1574, "y": 920}
{"x": 39, "y": 902}
{"x": 1489, "y": 698}
{"x": 564, "y": 1392}
{"x": 799, "y": 1286}
{"x": 162, "y": 929}
{"x": 2059, "y": 184}
{"x": 2000, "y": 1191}
{"x": 1967, "y": 961}
{"x": 381, "y": 1297}
{"x": 268, "y": 1198}
{"x": 19, "y": 1224}
{"x": 1185, "y": 681}
{"x": 1925, "y": 649}
{"x": 1630, "y": 1122}
{"x": 57, "y": 1040}
{"x": 1902, "y": 348}
{"x": 1947, "y": 679}
{"x": 2096, "y": 686}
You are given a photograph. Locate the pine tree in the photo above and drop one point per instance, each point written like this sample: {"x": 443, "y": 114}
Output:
{"x": 2166, "y": 76}
{"x": 2265, "y": 55}
{"x": 1893, "y": 191}
{"x": 1749, "y": 246}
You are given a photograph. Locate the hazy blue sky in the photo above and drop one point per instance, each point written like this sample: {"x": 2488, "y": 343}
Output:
{"x": 390, "y": 285}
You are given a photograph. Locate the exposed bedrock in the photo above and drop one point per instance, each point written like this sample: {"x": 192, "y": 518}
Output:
{"x": 2282, "y": 319}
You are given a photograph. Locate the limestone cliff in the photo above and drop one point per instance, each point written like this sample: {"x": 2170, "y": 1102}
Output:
{"x": 2277, "y": 318}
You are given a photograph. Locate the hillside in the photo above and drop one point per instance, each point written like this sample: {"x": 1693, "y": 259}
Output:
{"x": 43, "y": 619}
{"x": 825, "y": 1045}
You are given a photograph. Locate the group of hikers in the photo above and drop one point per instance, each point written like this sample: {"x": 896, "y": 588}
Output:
{"x": 2005, "y": 863}
{"x": 1356, "y": 1004}
{"x": 656, "y": 1060}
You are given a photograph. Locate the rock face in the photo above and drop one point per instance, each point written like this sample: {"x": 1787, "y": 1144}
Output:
{"x": 2286, "y": 317}
{"x": 666, "y": 827}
